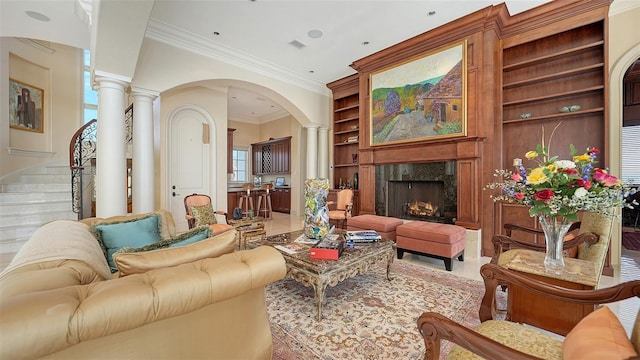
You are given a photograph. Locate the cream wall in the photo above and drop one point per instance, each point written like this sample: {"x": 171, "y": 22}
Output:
{"x": 215, "y": 104}
{"x": 162, "y": 67}
{"x": 60, "y": 76}
{"x": 624, "y": 49}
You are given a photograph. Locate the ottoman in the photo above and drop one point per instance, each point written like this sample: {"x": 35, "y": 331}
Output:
{"x": 385, "y": 226}
{"x": 440, "y": 241}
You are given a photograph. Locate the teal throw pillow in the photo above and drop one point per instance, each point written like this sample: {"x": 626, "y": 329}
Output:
{"x": 192, "y": 236}
{"x": 189, "y": 237}
{"x": 135, "y": 233}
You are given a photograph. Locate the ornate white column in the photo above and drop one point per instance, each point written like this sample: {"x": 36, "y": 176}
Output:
{"x": 323, "y": 152}
{"x": 111, "y": 173}
{"x": 143, "y": 168}
{"x": 312, "y": 151}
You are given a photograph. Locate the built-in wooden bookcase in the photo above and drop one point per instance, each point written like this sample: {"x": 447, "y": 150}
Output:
{"x": 542, "y": 76}
{"x": 346, "y": 129}
{"x": 541, "y": 80}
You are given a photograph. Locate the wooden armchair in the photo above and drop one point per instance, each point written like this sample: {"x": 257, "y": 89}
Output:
{"x": 199, "y": 211}
{"x": 591, "y": 338}
{"x": 591, "y": 243}
{"x": 343, "y": 207}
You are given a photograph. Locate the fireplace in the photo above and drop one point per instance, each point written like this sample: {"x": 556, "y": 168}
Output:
{"x": 425, "y": 191}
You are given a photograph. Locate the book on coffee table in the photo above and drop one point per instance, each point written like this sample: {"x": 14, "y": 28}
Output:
{"x": 289, "y": 248}
{"x": 327, "y": 249}
{"x": 362, "y": 236}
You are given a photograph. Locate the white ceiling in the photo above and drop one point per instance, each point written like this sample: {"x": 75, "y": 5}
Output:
{"x": 260, "y": 32}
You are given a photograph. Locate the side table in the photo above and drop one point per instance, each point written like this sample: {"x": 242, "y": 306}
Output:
{"x": 248, "y": 228}
{"x": 528, "y": 307}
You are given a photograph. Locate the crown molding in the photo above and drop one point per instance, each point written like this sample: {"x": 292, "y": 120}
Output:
{"x": 176, "y": 37}
{"x": 38, "y": 45}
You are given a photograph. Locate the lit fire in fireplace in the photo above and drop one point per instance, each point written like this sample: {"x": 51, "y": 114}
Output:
{"x": 420, "y": 208}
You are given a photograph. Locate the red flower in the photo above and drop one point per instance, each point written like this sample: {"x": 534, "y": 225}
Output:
{"x": 593, "y": 151}
{"x": 544, "y": 195}
{"x": 519, "y": 196}
{"x": 585, "y": 184}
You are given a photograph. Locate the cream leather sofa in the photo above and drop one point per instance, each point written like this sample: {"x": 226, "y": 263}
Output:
{"x": 59, "y": 300}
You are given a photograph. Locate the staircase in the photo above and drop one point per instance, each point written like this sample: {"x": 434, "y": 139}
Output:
{"x": 30, "y": 199}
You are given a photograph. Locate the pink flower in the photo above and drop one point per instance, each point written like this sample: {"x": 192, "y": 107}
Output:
{"x": 516, "y": 177}
{"x": 604, "y": 178}
{"x": 544, "y": 195}
{"x": 519, "y": 196}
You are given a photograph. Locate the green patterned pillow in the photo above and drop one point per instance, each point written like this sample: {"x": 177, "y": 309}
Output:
{"x": 203, "y": 215}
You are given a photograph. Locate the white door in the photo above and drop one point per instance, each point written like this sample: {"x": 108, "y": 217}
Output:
{"x": 189, "y": 162}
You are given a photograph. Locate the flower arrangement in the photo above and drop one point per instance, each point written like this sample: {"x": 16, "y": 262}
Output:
{"x": 562, "y": 188}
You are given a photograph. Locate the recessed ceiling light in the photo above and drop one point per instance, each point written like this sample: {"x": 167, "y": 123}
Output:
{"x": 432, "y": 12}
{"x": 36, "y": 15}
{"x": 315, "y": 34}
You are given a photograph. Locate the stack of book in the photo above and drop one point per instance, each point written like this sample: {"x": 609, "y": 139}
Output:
{"x": 362, "y": 236}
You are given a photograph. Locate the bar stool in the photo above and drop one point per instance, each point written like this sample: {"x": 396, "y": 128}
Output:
{"x": 265, "y": 209}
{"x": 246, "y": 199}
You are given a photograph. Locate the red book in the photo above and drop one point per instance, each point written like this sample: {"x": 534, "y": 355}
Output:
{"x": 327, "y": 249}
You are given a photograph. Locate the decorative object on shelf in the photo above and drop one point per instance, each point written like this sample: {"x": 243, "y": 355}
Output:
{"x": 355, "y": 181}
{"x": 352, "y": 138}
{"x": 316, "y": 212}
{"x": 525, "y": 116}
{"x": 401, "y": 104}
{"x": 354, "y": 127}
{"x": 556, "y": 190}
{"x": 26, "y": 107}
{"x": 354, "y": 157}
{"x": 570, "y": 108}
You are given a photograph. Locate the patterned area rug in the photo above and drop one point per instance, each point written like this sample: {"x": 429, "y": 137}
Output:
{"x": 368, "y": 317}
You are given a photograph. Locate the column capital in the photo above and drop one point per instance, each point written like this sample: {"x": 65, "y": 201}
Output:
{"x": 102, "y": 76}
{"x": 312, "y": 126}
{"x": 136, "y": 91}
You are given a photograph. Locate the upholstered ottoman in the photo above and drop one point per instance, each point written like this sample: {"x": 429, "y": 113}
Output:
{"x": 441, "y": 241}
{"x": 385, "y": 226}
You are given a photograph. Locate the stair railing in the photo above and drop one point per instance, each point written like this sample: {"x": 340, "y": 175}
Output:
{"x": 82, "y": 154}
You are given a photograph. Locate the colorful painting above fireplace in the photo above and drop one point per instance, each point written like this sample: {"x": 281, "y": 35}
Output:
{"x": 421, "y": 99}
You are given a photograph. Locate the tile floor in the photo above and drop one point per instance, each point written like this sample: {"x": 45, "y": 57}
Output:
{"x": 629, "y": 268}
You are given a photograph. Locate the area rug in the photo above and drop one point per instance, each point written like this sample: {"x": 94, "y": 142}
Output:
{"x": 631, "y": 240}
{"x": 368, "y": 317}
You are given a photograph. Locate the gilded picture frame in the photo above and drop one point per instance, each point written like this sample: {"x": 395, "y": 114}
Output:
{"x": 26, "y": 106}
{"x": 421, "y": 99}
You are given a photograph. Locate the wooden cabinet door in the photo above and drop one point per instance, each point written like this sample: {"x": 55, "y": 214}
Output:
{"x": 230, "y": 150}
{"x": 256, "y": 156}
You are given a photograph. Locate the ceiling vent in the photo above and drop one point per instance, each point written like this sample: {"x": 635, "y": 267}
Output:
{"x": 297, "y": 44}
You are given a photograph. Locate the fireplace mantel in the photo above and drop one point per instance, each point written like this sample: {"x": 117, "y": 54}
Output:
{"x": 466, "y": 152}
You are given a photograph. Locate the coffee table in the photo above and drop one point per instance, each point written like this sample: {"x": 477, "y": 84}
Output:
{"x": 319, "y": 273}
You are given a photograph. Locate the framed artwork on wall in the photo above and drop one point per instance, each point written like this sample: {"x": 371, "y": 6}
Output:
{"x": 421, "y": 99}
{"x": 26, "y": 103}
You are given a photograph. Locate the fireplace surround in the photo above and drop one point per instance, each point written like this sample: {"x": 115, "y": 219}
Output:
{"x": 421, "y": 191}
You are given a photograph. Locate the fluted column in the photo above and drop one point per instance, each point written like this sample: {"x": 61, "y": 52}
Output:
{"x": 143, "y": 167}
{"x": 312, "y": 151}
{"x": 111, "y": 166}
{"x": 323, "y": 152}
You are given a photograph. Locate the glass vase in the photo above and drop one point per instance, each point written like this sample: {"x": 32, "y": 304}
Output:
{"x": 316, "y": 211}
{"x": 555, "y": 229}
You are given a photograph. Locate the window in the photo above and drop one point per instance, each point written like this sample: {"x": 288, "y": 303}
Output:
{"x": 630, "y": 150}
{"x": 90, "y": 107}
{"x": 240, "y": 165}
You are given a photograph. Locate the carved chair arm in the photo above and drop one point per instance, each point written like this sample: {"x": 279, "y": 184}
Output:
{"x": 510, "y": 227}
{"x": 435, "y": 327}
{"x": 495, "y": 275}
